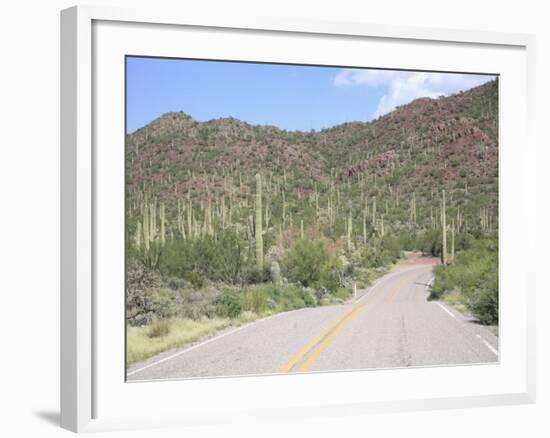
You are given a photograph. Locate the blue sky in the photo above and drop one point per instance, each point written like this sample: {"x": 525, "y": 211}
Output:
{"x": 289, "y": 97}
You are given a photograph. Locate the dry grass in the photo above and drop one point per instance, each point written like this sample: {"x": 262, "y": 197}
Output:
{"x": 142, "y": 345}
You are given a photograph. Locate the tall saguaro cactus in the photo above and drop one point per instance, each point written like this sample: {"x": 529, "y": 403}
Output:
{"x": 443, "y": 230}
{"x": 413, "y": 209}
{"x": 365, "y": 229}
{"x": 146, "y": 228}
{"x": 349, "y": 230}
{"x": 452, "y": 241}
{"x": 138, "y": 235}
{"x": 284, "y": 210}
{"x": 258, "y": 230}
{"x": 162, "y": 224}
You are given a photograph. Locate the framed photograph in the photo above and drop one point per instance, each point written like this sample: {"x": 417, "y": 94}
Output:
{"x": 260, "y": 217}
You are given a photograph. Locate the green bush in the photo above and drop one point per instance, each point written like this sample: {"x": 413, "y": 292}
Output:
{"x": 216, "y": 259}
{"x": 283, "y": 298}
{"x": 474, "y": 274}
{"x": 484, "y": 303}
{"x": 145, "y": 301}
{"x": 309, "y": 298}
{"x": 139, "y": 300}
{"x": 228, "y": 305}
{"x": 176, "y": 283}
{"x": 196, "y": 304}
{"x": 252, "y": 275}
{"x": 343, "y": 293}
{"x": 309, "y": 263}
{"x": 381, "y": 252}
{"x": 196, "y": 279}
{"x": 331, "y": 277}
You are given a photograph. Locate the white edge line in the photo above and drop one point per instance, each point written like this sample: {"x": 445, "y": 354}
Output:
{"x": 488, "y": 345}
{"x": 207, "y": 341}
{"x": 446, "y": 310}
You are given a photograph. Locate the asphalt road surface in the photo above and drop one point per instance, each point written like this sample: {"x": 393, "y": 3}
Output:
{"x": 392, "y": 324}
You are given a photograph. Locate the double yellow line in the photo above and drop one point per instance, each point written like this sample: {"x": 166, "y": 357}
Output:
{"x": 316, "y": 346}
{"x": 321, "y": 341}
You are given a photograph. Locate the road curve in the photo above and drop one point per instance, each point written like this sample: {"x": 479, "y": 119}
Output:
{"x": 392, "y": 324}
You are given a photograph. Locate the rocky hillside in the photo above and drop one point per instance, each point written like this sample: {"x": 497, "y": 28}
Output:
{"x": 407, "y": 156}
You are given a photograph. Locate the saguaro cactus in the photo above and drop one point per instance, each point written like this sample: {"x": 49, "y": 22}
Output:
{"x": 365, "y": 229}
{"x": 284, "y": 210}
{"x": 162, "y": 224}
{"x": 189, "y": 214}
{"x": 275, "y": 273}
{"x": 146, "y": 228}
{"x": 443, "y": 230}
{"x": 413, "y": 210}
{"x": 138, "y": 235}
{"x": 258, "y": 230}
{"x": 350, "y": 230}
{"x": 452, "y": 241}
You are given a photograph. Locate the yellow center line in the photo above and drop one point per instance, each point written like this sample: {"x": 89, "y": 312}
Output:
{"x": 288, "y": 366}
{"x": 329, "y": 339}
{"x": 396, "y": 291}
{"x": 324, "y": 338}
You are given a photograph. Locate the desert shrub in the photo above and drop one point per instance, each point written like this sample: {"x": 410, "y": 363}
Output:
{"x": 390, "y": 249}
{"x": 159, "y": 328}
{"x": 474, "y": 274}
{"x": 305, "y": 260}
{"x": 228, "y": 305}
{"x": 332, "y": 273}
{"x": 484, "y": 303}
{"x": 196, "y": 304}
{"x": 429, "y": 242}
{"x": 407, "y": 241}
{"x": 176, "y": 283}
{"x": 309, "y": 263}
{"x": 343, "y": 293}
{"x": 286, "y": 297}
{"x": 295, "y": 297}
{"x": 197, "y": 279}
{"x": 309, "y": 298}
{"x": 252, "y": 275}
{"x": 140, "y": 282}
{"x": 381, "y": 252}
{"x": 199, "y": 259}
{"x": 154, "y": 303}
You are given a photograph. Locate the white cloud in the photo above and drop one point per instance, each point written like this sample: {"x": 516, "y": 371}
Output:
{"x": 350, "y": 77}
{"x": 403, "y": 87}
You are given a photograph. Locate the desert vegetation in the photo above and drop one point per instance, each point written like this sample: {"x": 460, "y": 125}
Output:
{"x": 228, "y": 222}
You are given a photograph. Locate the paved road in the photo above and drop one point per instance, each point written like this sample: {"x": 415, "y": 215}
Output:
{"x": 390, "y": 325}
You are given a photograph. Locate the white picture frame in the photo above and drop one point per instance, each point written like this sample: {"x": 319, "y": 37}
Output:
{"x": 92, "y": 391}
